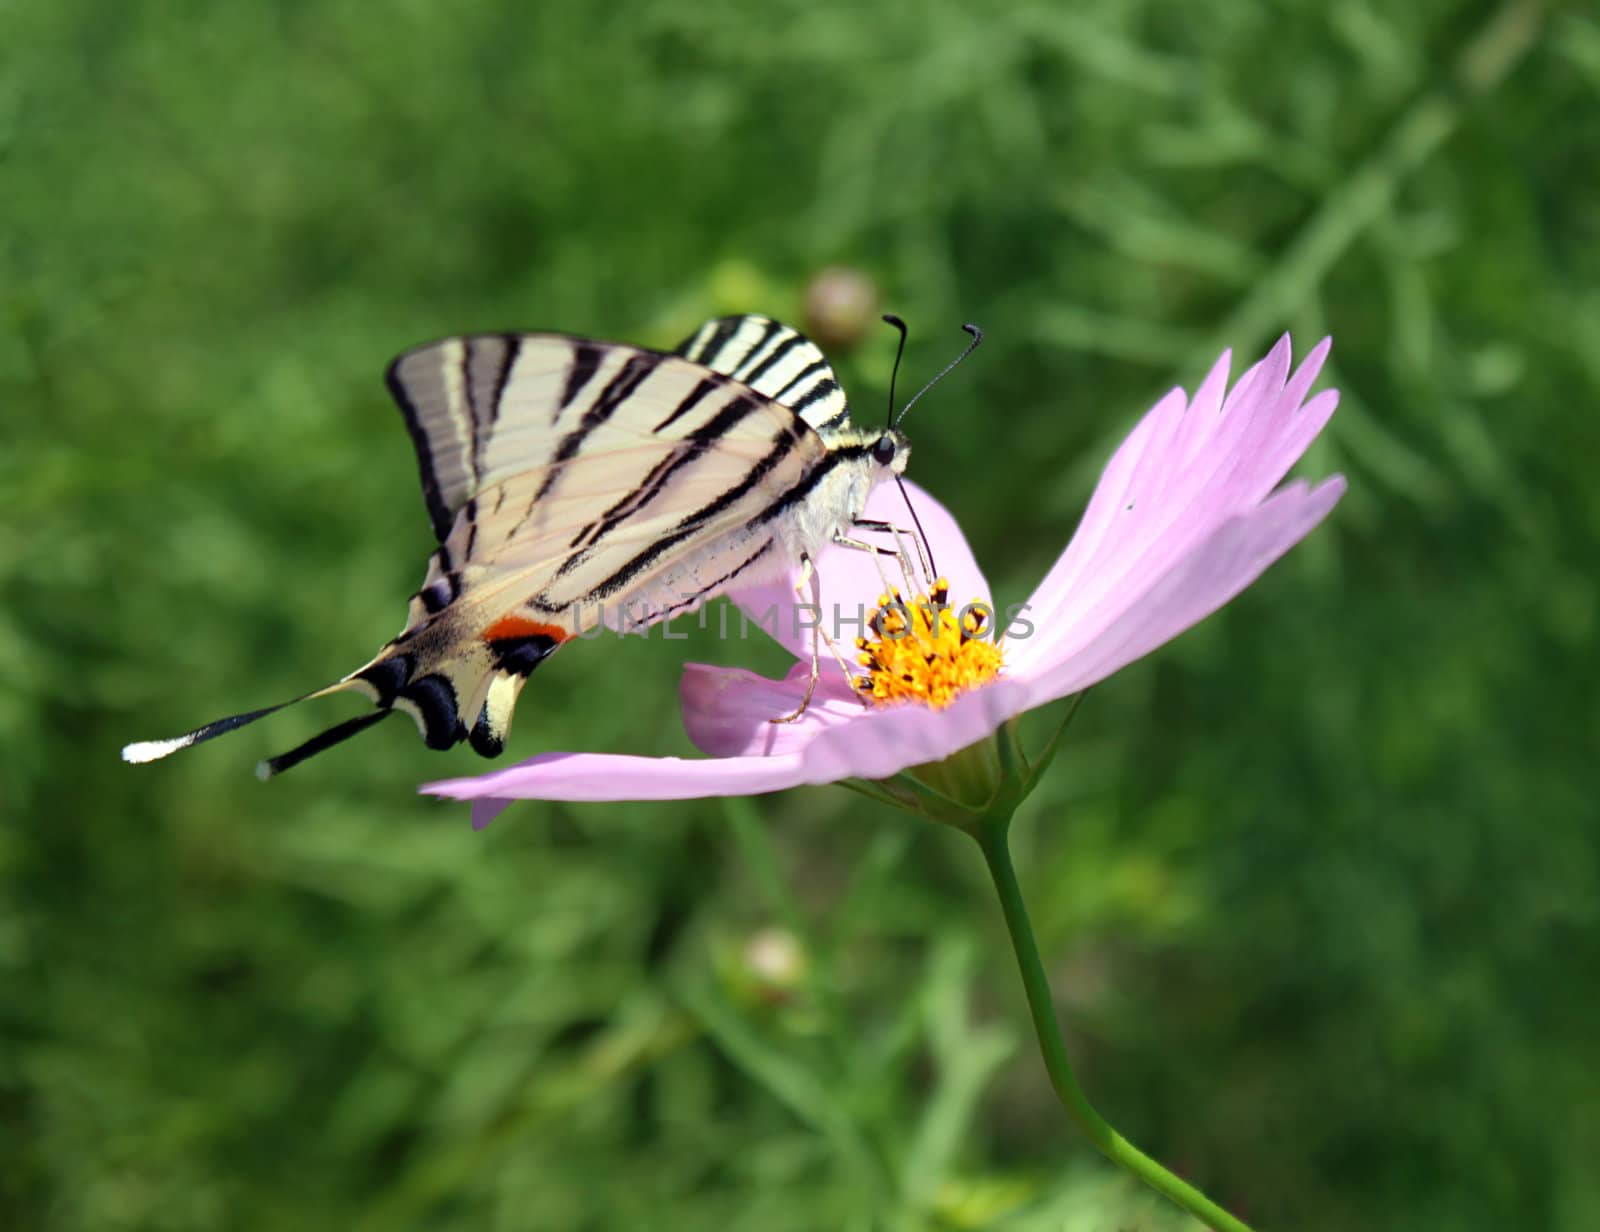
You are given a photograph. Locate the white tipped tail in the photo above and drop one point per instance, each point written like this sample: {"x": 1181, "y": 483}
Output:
{"x": 141, "y": 751}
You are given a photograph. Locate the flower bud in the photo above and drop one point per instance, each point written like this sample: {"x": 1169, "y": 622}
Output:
{"x": 841, "y": 307}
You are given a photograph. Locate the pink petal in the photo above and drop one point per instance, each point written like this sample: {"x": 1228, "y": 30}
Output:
{"x": 857, "y": 743}
{"x": 874, "y": 744}
{"x": 1182, "y": 472}
{"x": 850, "y": 580}
{"x": 1110, "y": 496}
{"x": 616, "y": 776}
{"x": 1235, "y": 554}
{"x": 883, "y": 742}
{"x": 728, "y": 711}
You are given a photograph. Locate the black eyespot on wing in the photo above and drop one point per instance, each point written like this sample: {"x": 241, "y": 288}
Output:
{"x": 435, "y": 700}
{"x": 486, "y": 741}
{"x": 440, "y": 594}
{"x": 522, "y": 654}
{"x": 387, "y": 677}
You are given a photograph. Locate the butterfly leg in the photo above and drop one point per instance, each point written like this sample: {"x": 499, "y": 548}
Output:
{"x": 833, "y": 649}
{"x": 858, "y": 545}
{"x": 890, "y": 529}
{"x": 808, "y": 580}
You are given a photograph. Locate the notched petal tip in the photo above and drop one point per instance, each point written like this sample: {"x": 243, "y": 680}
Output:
{"x": 1208, "y": 398}
{"x": 1308, "y": 371}
{"x": 1331, "y": 489}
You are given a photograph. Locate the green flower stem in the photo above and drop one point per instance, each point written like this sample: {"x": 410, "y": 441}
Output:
{"x": 991, "y": 834}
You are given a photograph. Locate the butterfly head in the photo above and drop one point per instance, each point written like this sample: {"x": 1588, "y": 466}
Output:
{"x": 892, "y": 450}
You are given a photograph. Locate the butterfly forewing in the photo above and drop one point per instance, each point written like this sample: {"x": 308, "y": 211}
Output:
{"x": 486, "y": 406}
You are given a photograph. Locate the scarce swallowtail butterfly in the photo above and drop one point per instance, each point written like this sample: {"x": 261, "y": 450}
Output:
{"x": 567, "y": 479}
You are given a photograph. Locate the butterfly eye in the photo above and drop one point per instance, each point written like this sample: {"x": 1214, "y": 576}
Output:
{"x": 883, "y": 450}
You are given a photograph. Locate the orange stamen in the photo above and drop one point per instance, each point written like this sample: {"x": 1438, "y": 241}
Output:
{"x": 925, "y": 650}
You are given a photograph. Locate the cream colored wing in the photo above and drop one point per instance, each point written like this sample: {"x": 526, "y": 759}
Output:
{"x": 561, "y": 473}
{"x": 483, "y": 408}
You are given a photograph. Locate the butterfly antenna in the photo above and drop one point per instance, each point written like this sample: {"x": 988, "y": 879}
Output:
{"x": 977, "y": 337}
{"x": 889, "y": 318}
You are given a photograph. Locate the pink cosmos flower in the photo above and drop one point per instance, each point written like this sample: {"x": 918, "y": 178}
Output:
{"x": 1184, "y": 517}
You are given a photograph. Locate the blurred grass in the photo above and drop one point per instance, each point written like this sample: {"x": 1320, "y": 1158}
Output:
{"x": 1319, "y": 880}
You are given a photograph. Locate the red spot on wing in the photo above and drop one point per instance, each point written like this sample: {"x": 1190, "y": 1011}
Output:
{"x": 520, "y": 626}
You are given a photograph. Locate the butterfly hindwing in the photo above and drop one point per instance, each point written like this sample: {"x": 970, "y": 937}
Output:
{"x": 774, "y": 360}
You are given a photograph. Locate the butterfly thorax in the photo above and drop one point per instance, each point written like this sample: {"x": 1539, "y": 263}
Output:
{"x": 861, "y": 459}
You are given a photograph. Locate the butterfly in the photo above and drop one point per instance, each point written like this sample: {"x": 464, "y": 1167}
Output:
{"x": 567, "y": 478}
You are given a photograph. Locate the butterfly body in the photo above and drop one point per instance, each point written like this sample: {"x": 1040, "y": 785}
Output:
{"x": 574, "y": 483}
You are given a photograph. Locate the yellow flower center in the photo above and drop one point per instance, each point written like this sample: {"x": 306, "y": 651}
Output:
{"x": 925, "y": 650}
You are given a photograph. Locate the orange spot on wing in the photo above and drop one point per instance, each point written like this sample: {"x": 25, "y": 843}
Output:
{"x": 521, "y": 626}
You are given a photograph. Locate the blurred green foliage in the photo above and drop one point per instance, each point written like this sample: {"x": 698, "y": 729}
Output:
{"x": 1319, "y": 881}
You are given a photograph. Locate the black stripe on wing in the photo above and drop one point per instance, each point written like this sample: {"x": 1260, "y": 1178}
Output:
{"x": 816, "y": 393}
{"x": 697, "y": 444}
{"x": 508, "y": 359}
{"x": 705, "y": 346}
{"x": 753, "y": 376}
{"x": 439, "y": 512}
{"x": 716, "y": 584}
{"x": 450, "y": 394}
{"x": 774, "y": 360}
{"x": 803, "y": 488}
{"x": 586, "y": 359}
{"x": 696, "y": 395}
{"x": 456, "y": 394}
{"x": 694, "y": 446}
{"x": 805, "y": 374}
{"x": 769, "y": 330}
{"x": 690, "y": 525}
{"x": 618, "y": 390}
{"x": 486, "y": 364}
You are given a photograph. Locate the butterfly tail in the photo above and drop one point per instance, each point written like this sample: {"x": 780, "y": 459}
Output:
{"x": 324, "y": 739}
{"x": 437, "y": 691}
{"x": 152, "y": 751}
{"x": 437, "y": 688}
{"x": 141, "y": 751}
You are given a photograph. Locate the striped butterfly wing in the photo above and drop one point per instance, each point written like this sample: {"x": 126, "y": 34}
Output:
{"x": 774, "y": 360}
{"x": 472, "y": 424}
{"x": 562, "y": 474}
